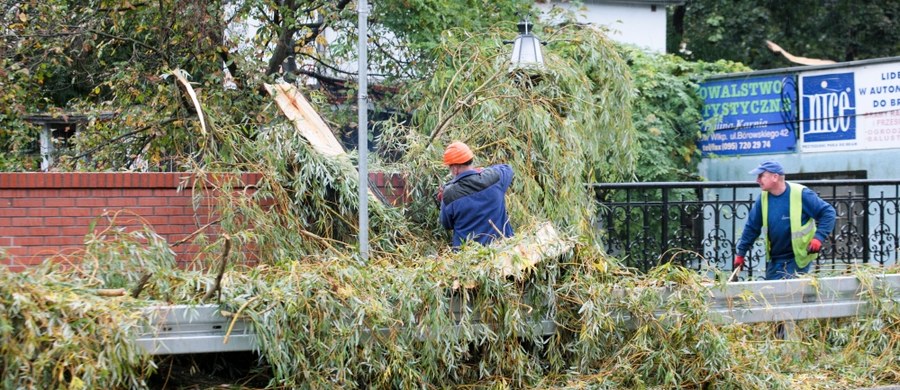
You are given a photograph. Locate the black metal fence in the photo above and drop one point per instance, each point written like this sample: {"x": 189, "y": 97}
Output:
{"x": 698, "y": 224}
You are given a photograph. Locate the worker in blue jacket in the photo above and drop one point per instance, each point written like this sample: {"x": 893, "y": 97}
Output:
{"x": 473, "y": 204}
{"x": 793, "y": 219}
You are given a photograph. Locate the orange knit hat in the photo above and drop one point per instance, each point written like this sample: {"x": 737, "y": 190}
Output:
{"x": 457, "y": 153}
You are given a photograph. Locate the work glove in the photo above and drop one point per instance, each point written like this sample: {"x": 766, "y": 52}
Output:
{"x": 738, "y": 261}
{"x": 439, "y": 197}
{"x": 814, "y": 246}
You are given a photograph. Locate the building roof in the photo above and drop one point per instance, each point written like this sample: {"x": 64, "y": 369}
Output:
{"x": 806, "y": 68}
{"x": 636, "y": 2}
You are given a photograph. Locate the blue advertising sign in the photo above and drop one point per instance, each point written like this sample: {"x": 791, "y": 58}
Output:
{"x": 829, "y": 108}
{"x": 749, "y": 116}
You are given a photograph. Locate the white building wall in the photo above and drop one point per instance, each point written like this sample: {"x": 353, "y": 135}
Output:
{"x": 643, "y": 25}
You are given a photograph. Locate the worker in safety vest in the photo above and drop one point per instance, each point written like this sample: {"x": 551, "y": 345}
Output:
{"x": 473, "y": 202}
{"x": 793, "y": 219}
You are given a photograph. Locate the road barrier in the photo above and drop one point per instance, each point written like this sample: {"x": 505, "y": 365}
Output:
{"x": 183, "y": 329}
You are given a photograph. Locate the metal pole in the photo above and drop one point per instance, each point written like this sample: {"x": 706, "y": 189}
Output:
{"x": 363, "y": 128}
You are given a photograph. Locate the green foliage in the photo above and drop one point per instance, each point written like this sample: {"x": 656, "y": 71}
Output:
{"x": 100, "y": 56}
{"x": 445, "y": 321}
{"x": 55, "y": 333}
{"x": 842, "y": 30}
{"x": 422, "y": 22}
{"x": 666, "y": 112}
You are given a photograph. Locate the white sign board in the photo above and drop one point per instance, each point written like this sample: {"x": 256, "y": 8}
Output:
{"x": 850, "y": 109}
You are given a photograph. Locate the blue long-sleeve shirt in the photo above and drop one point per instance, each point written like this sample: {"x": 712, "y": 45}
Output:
{"x": 779, "y": 231}
{"x": 474, "y": 205}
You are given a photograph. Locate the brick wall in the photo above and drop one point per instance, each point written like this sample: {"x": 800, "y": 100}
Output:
{"x": 48, "y": 214}
{"x": 392, "y": 187}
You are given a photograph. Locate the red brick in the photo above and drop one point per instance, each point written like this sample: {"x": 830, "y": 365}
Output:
{"x": 54, "y": 180}
{"x": 151, "y": 201}
{"x": 45, "y": 231}
{"x": 90, "y": 202}
{"x": 16, "y": 251}
{"x": 12, "y": 212}
{"x": 63, "y": 241}
{"x": 106, "y": 193}
{"x": 28, "y": 240}
{"x": 76, "y": 212}
{"x": 164, "y": 193}
{"x": 168, "y": 210}
{"x": 182, "y": 220}
{"x": 76, "y": 230}
{"x": 44, "y": 193}
{"x": 24, "y": 202}
{"x": 179, "y": 201}
{"x": 156, "y": 220}
{"x": 28, "y": 260}
{"x": 27, "y": 221}
{"x": 141, "y": 211}
{"x": 72, "y": 180}
{"x": 43, "y": 212}
{"x": 137, "y": 193}
{"x": 59, "y": 202}
{"x": 173, "y": 230}
{"x": 59, "y": 221}
{"x": 120, "y": 202}
{"x": 13, "y": 231}
{"x": 76, "y": 193}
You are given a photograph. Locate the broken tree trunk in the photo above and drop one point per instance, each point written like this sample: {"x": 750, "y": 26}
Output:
{"x": 309, "y": 124}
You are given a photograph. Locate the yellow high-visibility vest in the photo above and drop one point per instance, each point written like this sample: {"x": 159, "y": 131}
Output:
{"x": 801, "y": 234}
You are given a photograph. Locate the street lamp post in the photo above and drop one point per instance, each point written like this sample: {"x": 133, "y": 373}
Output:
{"x": 363, "y": 129}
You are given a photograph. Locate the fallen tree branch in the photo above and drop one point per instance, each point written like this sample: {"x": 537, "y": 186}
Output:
{"x": 223, "y": 261}
{"x": 196, "y": 232}
{"x": 111, "y": 292}
{"x": 140, "y": 284}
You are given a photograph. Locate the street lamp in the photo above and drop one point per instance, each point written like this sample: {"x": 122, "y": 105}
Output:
{"x": 363, "y": 116}
{"x": 526, "y": 52}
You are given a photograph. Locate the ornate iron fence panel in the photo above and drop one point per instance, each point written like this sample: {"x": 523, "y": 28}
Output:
{"x": 698, "y": 224}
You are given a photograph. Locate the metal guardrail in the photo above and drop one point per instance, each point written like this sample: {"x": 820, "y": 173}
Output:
{"x": 798, "y": 299}
{"x": 202, "y": 329}
{"x": 184, "y": 329}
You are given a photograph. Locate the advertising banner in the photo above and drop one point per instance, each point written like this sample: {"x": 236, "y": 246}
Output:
{"x": 850, "y": 109}
{"x": 749, "y": 116}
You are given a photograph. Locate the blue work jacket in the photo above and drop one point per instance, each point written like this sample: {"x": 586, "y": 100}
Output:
{"x": 474, "y": 205}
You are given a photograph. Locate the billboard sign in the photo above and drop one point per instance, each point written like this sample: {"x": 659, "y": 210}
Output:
{"x": 749, "y": 115}
{"x": 850, "y": 109}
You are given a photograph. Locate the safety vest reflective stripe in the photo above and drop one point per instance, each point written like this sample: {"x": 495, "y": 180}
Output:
{"x": 804, "y": 231}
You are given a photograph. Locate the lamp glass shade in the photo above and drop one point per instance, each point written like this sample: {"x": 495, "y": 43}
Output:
{"x": 526, "y": 53}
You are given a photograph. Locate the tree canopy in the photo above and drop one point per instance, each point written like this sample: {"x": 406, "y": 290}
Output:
{"x": 837, "y": 30}
{"x": 96, "y": 55}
